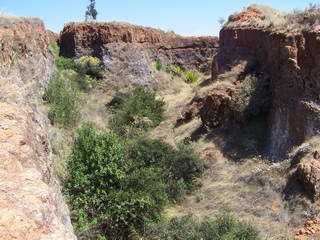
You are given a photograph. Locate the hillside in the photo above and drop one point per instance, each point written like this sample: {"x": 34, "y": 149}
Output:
{"x": 117, "y": 131}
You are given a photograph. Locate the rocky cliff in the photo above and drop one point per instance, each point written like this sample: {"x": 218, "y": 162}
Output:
{"x": 98, "y": 39}
{"x": 285, "y": 65}
{"x": 31, "y": 205}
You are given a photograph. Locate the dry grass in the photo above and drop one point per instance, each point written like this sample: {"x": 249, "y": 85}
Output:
{"x": 264, "y": 17}
{"x": 257, "y": 16}
{"x": 307, "y": 19}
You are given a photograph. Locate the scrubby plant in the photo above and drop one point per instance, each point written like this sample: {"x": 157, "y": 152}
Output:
{"x": 88, "y": 65}
{"x": 107, "y": 191}
{"x": 223, "y": 227}
{"x": 191, "y": 77}
{"x": 180, "y": 167}
{"x": 139, "y": 111}
{"x": 185, "y": 165}
{"x": 54, "y": 49}
{"x": 305, "y": 19}
{"x": 63, "y": 98}
{"x": 85, "y": 82}
{"x": 175, "y": 70}
{"x": 158, "y": 65}
{"x": 96, "y": 168}
{"x": 63, "y": 63}
{"x": 150, "y": 152}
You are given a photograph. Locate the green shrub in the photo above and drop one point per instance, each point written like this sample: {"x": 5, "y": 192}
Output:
{"x": 138, "y": 111}
{"x": 180, "y": 167}
{"x": 96, "y": 168}
{"x": 88, "y": 65}
{"x": 63, "y": 63}
{"x": 185, "y": 164}
{"x": 141, "y": 200}
{"x": 191, "y": 77}
{"x": 63, "y": 98}
{"x": 223, "y": 227}
{"x": 158, "y": 65}
{"x": 105, "y": 188}
{"x": 115, "y": 189}
{"x": 148, "y": 152}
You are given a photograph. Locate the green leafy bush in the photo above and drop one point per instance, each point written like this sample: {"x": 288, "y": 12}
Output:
{"x": 223, "y": 227}
{"x": 180, "y": 167}
{"x": 158, "y": 65}
{"x": 63, "y": 98}
{"x": 191, "y": 77}
{"x": 149, "y": 152}
{"x": 96, "y": 168}
{"x": 106, "y": 188}
{"x": 141, "y": 200}
{"x": 63, "y": 63}
{"x": 88, "y": 65}
{"x": 136, "y": 112}
{"x": 114, "y": 188}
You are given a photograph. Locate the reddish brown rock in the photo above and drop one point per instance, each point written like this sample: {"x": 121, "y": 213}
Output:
{"x": 31, "y": 205}
{"x": 308, "y": 172}
{"x": 78, "y": 39}
{"x": 53, "y": 37}
{"x": 287, "y": 64}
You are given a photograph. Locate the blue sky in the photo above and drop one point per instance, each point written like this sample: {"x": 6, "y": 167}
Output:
{"x": 186, "y": 17}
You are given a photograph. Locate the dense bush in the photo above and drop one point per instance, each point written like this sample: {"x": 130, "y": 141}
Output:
{"x": 96, "y": 168}
{"x": 180, "y": 167}
{"x": 137, "y": 111}
{"x": 107, "y": 190}
{"x": 224, "y": 227}
{"x": 115, "y": 187}
{"x": 63, "y": 98}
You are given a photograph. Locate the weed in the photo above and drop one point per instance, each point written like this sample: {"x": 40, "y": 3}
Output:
{"x": 191, "y": 77}
{"x": 158, "y": 65}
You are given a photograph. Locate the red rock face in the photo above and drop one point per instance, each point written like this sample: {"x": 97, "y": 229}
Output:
{"x": 93, "y": 39}
{"x": 291, "y": 64}
{"x": 19, "y": 37}
{"x": 31, "y": 205}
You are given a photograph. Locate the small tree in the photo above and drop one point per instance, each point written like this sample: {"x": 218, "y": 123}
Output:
{"x": 91, "y": 13}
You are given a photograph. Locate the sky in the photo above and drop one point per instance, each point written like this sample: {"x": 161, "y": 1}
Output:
{"x": 185, "y": 17}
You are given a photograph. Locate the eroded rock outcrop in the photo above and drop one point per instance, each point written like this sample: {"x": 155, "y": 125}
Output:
{"x": 31, "y": 204}
{"x": 98, "y": 39}
{"x": 286, "y": 64}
